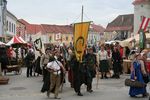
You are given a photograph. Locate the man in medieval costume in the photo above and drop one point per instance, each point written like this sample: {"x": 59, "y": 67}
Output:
{"x": 90, "y": 68}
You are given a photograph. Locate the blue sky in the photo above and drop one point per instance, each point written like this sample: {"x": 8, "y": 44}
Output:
{"x": 69, "y": 11}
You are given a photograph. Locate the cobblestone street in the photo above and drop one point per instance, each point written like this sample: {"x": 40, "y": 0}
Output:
{"x": 22, "y": 88}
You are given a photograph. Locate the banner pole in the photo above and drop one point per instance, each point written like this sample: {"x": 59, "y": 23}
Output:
{"x": 82, "y": 14}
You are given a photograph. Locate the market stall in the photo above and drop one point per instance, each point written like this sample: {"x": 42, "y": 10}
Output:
{"x": 135, "y": 40}
{"x": 14, "y": 62}
{"x": 3, "y": 80}
{"x": 16, "y": 41}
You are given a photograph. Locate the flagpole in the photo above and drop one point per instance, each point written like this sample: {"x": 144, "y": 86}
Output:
{"x": 80, "y": 59}
{"x": 82, "y": 14}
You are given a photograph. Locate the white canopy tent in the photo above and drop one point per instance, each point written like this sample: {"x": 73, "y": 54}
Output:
{"x": 136, "y": 38}
{"x": 114, "y": 41}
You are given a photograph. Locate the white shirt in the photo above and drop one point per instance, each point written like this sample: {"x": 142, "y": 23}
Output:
{"x": 55, "y": 66}
{"x": 103, "y": 55}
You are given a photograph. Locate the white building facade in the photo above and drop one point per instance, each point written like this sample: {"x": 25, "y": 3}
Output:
{"x": 96, "y": 34}
{"x": 11, "y": 22}
{"x": 7, "y": 22}
{"x": 94, "y": 37}
{"x": 141, "y": 8}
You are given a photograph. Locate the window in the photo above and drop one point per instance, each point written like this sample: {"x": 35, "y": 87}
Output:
{"x": 50, "y": 38}
{"x": 142, "y": 5}
{"x": 57, "y": 36}
{"x": 9, "y": 26}
{"x": 12, "y": 27}
{"x": 142, "y": 18}
{"x": 66, "y": 38}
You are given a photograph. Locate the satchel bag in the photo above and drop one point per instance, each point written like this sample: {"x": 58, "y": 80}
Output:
{"x": 134, "y": 83}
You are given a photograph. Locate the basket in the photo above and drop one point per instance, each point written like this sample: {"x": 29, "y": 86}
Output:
{"x": 134, "y": 83}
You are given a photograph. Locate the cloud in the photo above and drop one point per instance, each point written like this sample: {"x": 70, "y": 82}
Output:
{"x": 68, "y": 11}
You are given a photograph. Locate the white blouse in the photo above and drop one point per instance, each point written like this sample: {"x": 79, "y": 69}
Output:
{"x": 103, "y": 55}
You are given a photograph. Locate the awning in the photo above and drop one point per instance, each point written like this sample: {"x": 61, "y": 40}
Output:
{"x": 15, "y": 40}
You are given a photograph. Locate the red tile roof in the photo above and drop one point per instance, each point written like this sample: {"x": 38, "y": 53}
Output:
{"x": 97, "y": 28}
{"x": 122, "y": 22}
{"x": 140, "y": 1}
{"x": 23, "y": 21}
{"x": 32, "y": 28}
{"x": 46, "y": 28}
{"x": 57, "y": 28}
{"x": 111, "y": 29}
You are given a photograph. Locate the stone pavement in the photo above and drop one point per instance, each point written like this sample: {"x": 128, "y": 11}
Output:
{"x": 22, "y": 88}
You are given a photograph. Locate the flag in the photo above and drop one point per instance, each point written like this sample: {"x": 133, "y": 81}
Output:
{"x": 80, "y": 38}
{"x": 38, "y": 44}
{"x": 144, "y": 24}
{"x": 142, "y": 40}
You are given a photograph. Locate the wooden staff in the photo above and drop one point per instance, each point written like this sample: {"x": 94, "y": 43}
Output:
{"x": 97, "y": 77}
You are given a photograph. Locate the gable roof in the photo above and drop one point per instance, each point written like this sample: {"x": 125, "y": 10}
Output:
{"x": 122, "y": 22}
{"x": 136, "y": 2}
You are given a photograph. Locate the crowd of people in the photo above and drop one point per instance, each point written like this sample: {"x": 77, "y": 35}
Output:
{"x": 59, "y": 61}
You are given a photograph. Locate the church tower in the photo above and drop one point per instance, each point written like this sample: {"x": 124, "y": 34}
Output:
{"x": 141, "y": 8}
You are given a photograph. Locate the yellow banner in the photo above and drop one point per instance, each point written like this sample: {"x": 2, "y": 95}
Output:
{"x": 80, "y": 38}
